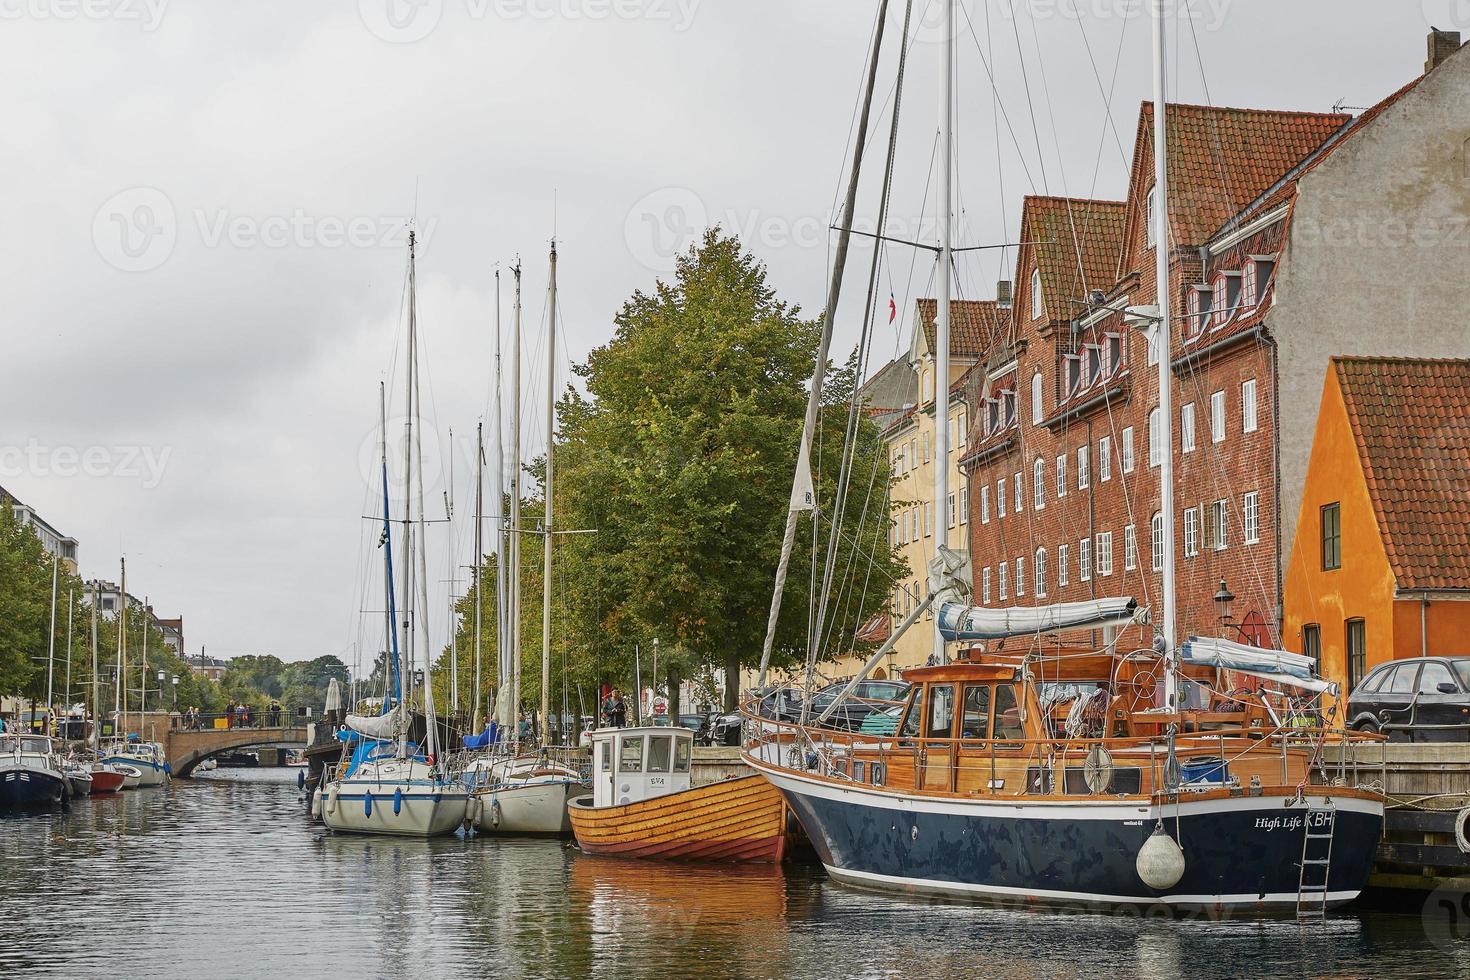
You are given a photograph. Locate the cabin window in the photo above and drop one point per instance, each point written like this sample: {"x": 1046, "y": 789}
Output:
{"x": 660, "y": 749}
{"x": 683, "y": 749}
{"x": 1008, "y": 713}
{"x": 604, "y": 757}
{"x": 915, "y": 713}
{"x": 977, "y": 711}
{"x": 941, "y": 711}
{"x": 630, "y": 757}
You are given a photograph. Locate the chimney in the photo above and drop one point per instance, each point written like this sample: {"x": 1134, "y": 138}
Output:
{"x": 1442, "y": 44}
{"x": 1003, "y": 293}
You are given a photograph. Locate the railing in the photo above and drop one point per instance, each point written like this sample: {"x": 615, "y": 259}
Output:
{"x": 224, "y": 721}
{"x": 1096, "y": 767}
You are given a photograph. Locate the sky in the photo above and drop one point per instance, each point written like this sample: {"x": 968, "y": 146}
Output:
{"x": 206, "y": 209}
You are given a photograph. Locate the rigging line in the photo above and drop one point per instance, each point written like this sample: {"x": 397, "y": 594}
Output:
{"x": 1215, "y": 150}
{"x": 1000, "y": 103}
{"x": 1109, "y": 123}
{"x": 1004, "y": 266}
{"x": 1030, "y": 102}
{"x": 849, "y": 144}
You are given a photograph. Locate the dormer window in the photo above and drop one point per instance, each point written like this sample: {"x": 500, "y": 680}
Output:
{"x": 1008, "y": 400}
{"x": 1248, "y": 296}
{"x": 1115, "y": 353}
{"x": 1150, "y": 235}
{"x": 1037, "y": 306}
{"x": 1253, "y": 279}
{"x": 1094, "y": 363}
{"x": 1072, "y": 372}
{"x": 993, "y": 405}
{"x": 1200, "y": 301}
{"x": 1226, "y": 296}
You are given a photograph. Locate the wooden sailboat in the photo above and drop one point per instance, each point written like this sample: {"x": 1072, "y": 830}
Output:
{"x": 642, "y": 804}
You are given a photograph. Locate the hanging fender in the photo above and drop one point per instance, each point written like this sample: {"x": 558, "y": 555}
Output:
{"x": 398, "y": 801}
{"x": 367, "y": 803}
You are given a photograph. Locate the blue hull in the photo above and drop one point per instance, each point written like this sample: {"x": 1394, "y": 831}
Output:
{"x": 1241, "y": 854}
{"x": 30, "y": 789}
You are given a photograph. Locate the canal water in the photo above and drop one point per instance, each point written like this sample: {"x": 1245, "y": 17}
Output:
{"x": 223, "y": 877}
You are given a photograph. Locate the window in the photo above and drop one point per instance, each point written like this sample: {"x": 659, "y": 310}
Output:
{"x": 1263, "y": 269}
{"x": 914, "y": 524}
{"x": 683, "y": 749}
{"x": 949, "y": 509}
{"x": 1072, "y": 373}
{"x": 976, "y": 722}
{"x": 929, "y": 519}
{"x": 1040, "y": 571}
{"x": 1357, "y": 651}
{"x": 1191, "y": 532}
{"x": 1105, "y": 553}
{"x": 1217, "y": 416}
{"x": 1062, "y": 475}
{"x": 1038, "y": 484}
{"x": 1153, "y": 346}
{"x": 928, "y": 447}
{"x": 1402, "y": 680}
{"x": 1002, "y": 570}
{"x": 1433, "y": 674}
{"x": 1248, "y": 295}
{"x": 1008, "y": 399}
{"x": 1062, "y": 557}
{"x": 915, "y": 713}
{"x": 1084, "y": 560}
{"x": 1125, "y": 450}
{"x": 1000, "y": 497}
{"x": 1218, "y": 525}
{"x": 1312, "y": 645}
{"x": 1084, "y": 468}
{"x": 1020, "y": 577}
{"x": 1250, "y": 509}
{"x": 1186, "y": 428}
{"x": 1130, "y": 549}
{"x": 941, "y": 711}
{"x": 1220, "y": 302}
{"x": 985, "y": 504}
{"x": 1094, "y": 364}
{"x": 1248, "y": 405}
{"x": 660, "y": 752}
{"x": 1155, "y": 439}
{"x": 1150, "y": 232}
{"x": 985, "y": 585}
{"x": 1105, "y": 459}
{"x": 1037, "y": 306}
{"x": 1007, "y": 713}
{"x": 893, "y": 532}
{"x": 1020, "y": 493}
{"x": 1156, "y": 541}
{"x": 1199, "y": 310}
{"x": 1331, "y": 537}
{"x": 630, "y": 758}
{"x": 964, "y": 505}
{"x": 1036, "y": 408}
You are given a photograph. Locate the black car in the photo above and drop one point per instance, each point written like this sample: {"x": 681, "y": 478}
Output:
{"x": 1424, "y": 699}
{"x": 785, "y": 704}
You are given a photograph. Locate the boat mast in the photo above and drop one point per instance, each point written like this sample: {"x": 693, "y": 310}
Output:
{"x": 514, "y": 598}
{"x": 390, "y": 606}
{"x": 96, "y": 679}
{"x": 941, "y": 316}
{"x": 453, "y": 575}
{"x": 120, "y": 695}
{"x": 502, "y": 640}
{"x": 1162, "y": 339}
{"x": 143, "y": 671}
{"x": 408, "y": 413}
{"x": 51, "y": 647}
{"x": 479, "y": 558}
{"x": 546, "y": 527}
{"x": 70, "y": 601}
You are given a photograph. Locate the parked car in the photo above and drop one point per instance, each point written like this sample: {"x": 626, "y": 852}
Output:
{"x": 785, "y": 704}
{"x": 1423, "y": 699}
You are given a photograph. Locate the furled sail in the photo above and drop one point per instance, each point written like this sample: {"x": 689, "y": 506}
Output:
{"x": 1288, "y": 668}
{"x": 962, "y": 622}
{"x": 376, "y": 726}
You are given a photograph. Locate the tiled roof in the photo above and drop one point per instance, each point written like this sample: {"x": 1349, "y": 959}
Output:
{"x": 973, "y": 323}
{"x": 1221, "y": 159}
{"x": 1079, "y": 243}
{"x": 1411, "y": 419}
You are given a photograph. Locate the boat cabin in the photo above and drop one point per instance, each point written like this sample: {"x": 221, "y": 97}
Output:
{"x": 634, "y": 764}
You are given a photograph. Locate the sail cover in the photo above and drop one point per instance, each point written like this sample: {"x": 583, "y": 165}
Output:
{"x": 1291, "y": 669}
{"x": 376, "y": 726}
{"x": 961, "y": 622}
{"x": 334, "y": 695}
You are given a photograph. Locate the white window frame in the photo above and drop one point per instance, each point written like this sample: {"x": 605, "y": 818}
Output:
{"x": 1186, "y": 427}
{"x": 929, "y": 519}
{"x": 1220, "y": 513}
{"x": 1150, "y": 234}
{"x": 1036, "y": 399}
{"x": 1250, "y": 507}
{"x": 1104, "y": 551}
{"x": 1038, "y": 571}
{"x": 1156, "y": 542}
{"x": 1062, "y": 475}
{"x": 985, "y": 586}
{"x": 1104, "y": 459}
{"x": 1038, "y": 484}
{"x": 1038, "y": 306}
{"x": 1248, "y": 417}
{"x": 1191, "y": 532}
{"x": 1000, "y": 497}
{"x": 950, "y": 509}
{"x": 1217, "y": 417}
{"x": 1063, "y": 554}
{"x": 1019, "y": 585}
{"x": 985, "y": 504}
{"x": 1130, "y": 548}
{"x": 964, "y": 505}
{"x": 1125, "y": 449}
{"x": 1004, "y": 571}
{"x": 1084, "y": 466}
{"x": 1020, "y": 490}
{"x": 1084, "y": 560}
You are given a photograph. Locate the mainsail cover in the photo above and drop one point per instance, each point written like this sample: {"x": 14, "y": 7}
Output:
{"x": 963, "y": 622}
{"x": 376, "y": 726}
{"x": 1282, "y": 666}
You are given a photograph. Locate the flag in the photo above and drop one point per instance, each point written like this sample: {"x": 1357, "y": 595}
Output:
{"x": 892, "y": 307}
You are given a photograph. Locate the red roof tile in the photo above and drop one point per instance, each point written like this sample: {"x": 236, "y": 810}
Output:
{"x": 973, "y": 324}
{"x": 1078, "y": 245}
{"x": 1411, "y": 419}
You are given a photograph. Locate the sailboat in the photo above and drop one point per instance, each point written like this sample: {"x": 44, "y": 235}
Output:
{"x": 1147, "y": 792}
{"x": 528, "y": 792}
{"x": 385, "y": 783}
{"x": 106, "y": 777}
{"x": 148, "y": 758}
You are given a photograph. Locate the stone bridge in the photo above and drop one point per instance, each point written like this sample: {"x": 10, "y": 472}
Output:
{"x": 187, "y": 747}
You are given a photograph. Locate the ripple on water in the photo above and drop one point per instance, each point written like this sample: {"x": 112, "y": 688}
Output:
{"x": 222, "y": 876}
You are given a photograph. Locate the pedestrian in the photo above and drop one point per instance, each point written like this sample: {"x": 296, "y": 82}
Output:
{"x": 275, "y": 714}
{"x": 525, "y": 728}
{"x": 229, "y": 714}
{"x": 245, "y": 713}
{"x": 615, "y": 710}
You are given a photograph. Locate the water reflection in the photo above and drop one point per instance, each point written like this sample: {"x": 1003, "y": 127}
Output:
{"x": 222, "y": 876}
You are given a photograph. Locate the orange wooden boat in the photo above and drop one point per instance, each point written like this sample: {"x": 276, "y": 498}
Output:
{"x": 644, "y": 806}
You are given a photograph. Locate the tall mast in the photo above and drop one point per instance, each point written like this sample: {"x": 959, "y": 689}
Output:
{"x": 514, "y": 599}
{"x": 502, "y": 639}
{"x": 70, "y": 600}
{"x": 143, "y": 671}
{"x": 96, "y": 679}
{"x": 431, "y": 725}
{"x": 408, "y": 412}
{"x": 941, "y": 316}
{"x": 1162, "y": 338}
{"x": 546, "y": 527}
{"x": 453, "y": 577}
{"x": 120, "y": 695}
{"x": 390, "y": 606}
{"x": 479, "y": 559}
{"x": 51, "y": 646}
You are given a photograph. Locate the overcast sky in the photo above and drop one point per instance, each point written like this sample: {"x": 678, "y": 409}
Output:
{"x": 205, "y": 208}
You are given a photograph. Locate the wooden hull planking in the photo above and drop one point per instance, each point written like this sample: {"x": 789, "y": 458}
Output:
{"x": 737, "y": 820}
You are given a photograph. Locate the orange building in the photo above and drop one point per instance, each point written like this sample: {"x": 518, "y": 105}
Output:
{"x": 1380, "y": 568}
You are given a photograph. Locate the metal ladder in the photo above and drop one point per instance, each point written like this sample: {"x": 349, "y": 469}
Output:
{"x": 1311, "y": 891}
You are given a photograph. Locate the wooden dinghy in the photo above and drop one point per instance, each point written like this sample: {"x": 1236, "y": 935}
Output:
{"x": 643, "y": 805}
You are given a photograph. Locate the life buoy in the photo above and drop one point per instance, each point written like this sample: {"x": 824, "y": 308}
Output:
{"x": 1462, "y": 839}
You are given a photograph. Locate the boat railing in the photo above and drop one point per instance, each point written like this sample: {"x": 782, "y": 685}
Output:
{"x": 1242, "y": 760}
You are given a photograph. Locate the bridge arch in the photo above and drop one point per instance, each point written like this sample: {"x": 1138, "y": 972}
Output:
{"x": 187, "y": 748}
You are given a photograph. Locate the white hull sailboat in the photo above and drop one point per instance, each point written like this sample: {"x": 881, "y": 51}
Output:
{"x": 399, "y": 797}
{"x": 524, "y": 794}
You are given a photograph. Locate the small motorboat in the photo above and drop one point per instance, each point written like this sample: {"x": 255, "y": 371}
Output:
{"x": 148, "y": 758}
{"x": 108, "y": 779}
{"x": 30, "y": 774}
{"x": 132, "y": 775}
{"x": 643, "y": 805}
{"x": 78, "y": 781}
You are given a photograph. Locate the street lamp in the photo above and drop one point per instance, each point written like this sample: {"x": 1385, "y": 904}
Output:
{"x": 176, "y": 690}
{"x": 1224, "y": 600}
